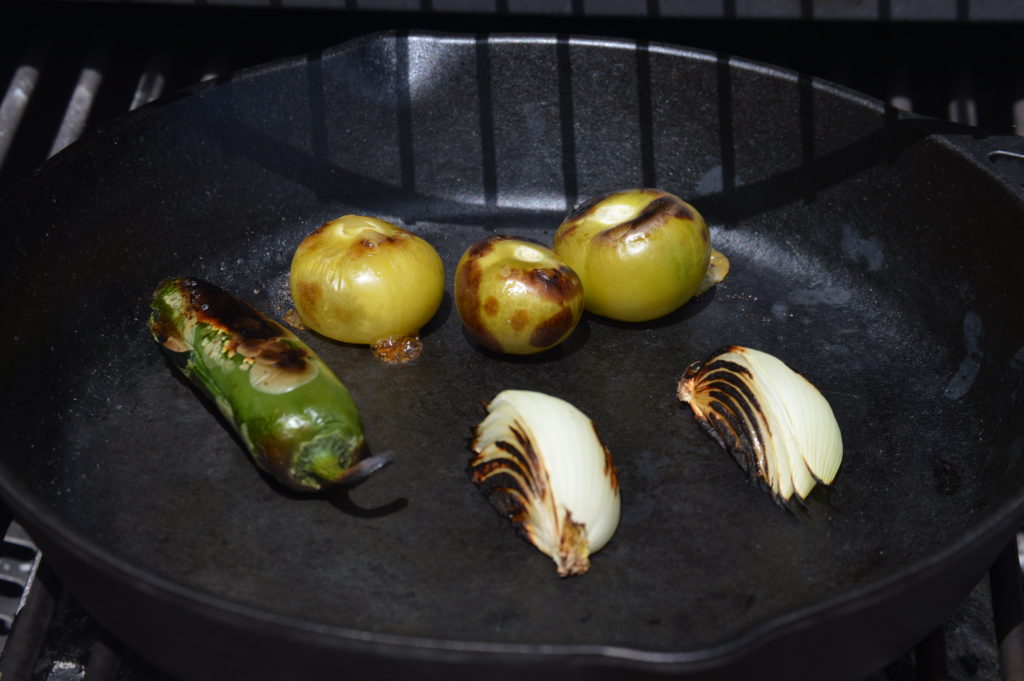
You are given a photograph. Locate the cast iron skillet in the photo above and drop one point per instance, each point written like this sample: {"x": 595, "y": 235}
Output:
{"x": 875, "y": 253}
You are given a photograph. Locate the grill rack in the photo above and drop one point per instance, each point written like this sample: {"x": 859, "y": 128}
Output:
{"x": 78, "y": 64}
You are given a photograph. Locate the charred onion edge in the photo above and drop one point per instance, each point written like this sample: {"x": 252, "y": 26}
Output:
{"x": 721, "y": 395}
{"x": 515, "y": 477}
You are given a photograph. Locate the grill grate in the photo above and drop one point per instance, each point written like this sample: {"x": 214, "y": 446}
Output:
{"x": 65, "y": 75}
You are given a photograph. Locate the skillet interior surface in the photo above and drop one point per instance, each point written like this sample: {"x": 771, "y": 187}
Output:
{"x": 865, "y": 253}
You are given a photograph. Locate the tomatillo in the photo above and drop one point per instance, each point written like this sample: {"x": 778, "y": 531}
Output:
{"x": 516, "y": 296}
{"x": 641, "y": 253}
{"x": 359, "y": 279}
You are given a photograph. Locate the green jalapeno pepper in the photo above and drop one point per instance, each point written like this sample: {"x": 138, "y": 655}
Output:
{"x": 295, "y": 417}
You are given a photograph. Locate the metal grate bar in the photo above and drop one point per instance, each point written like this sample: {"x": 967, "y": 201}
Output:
{"x": 20, "y": 90}
{"x": 8, "y": 606}
{"x": 18, "y": 562}
{"x": 220, "y": 59}
{"x": 76, "y": 115}
{"x": 30, "y": 626}
{"x": 1018, "y": 111}
{"x": 962, "y": 105}
{"x": 154, "y": 79}
{"x": 1008, "y": 612}
{"x": 898, "y": 82}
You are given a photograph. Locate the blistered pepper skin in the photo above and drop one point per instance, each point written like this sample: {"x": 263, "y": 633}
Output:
{"x": 297, "y": 420}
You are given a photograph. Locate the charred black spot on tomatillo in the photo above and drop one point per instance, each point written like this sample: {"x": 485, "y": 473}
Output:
{"x": 467, "y": 288}
{"x": 484, "y": 246}
{"x": 555, "y": 283}
{"x": 551, "y": 330}
{"x": 586, "y": 207}
{"x": 372, "y": 240}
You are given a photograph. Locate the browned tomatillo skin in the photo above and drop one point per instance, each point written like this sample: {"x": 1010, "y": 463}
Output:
{"x": 516, "y": 296}
{"x": 641, "y": 253}
{"x": 295, "y": 417}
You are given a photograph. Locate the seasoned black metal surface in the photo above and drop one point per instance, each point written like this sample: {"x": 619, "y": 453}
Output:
{"x": 871, "y": 254}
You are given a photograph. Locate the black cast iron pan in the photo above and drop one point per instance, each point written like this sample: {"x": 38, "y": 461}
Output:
{"x": 875, "y": 253}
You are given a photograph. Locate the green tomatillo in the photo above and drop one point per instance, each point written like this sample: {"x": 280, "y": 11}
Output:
{"x": 516, "y": 296}
{"x": 358, "y": 279}
{"x": 641, "y": 253}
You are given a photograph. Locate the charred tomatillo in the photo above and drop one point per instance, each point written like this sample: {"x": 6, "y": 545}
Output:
{"x": 516, "y": 296}
{"x": 641, "y": 253}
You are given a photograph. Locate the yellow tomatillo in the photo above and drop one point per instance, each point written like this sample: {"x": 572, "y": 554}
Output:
{"x": 362, "y": 280}
{"x": 641, "y": 253}
{"x": 516, "y": 296}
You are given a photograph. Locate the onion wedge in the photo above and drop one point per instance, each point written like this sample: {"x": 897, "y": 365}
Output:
{"x": 775, "y": 423}
{"x": 540, "y": 462}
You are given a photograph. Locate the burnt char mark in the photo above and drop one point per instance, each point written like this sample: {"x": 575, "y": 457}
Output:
{"x": 709, "y": 427}
{"x": 484, "y": 470}
{"x": 274, "y": 456}
{"x": 517, "y": 459}
{"x": 467, "y": 295}
{"x": 554, "y": 283}
{"x": 509, "y": 502}
{"x": 653, "y": 216}
{"x": 729, "y": 436}
{"x": 518, "y": 320}
{"x": 747, "y": 441}
{"x": 220, "y": 309}
{"x": 733, "y": 376}
{"x": 496, "y": 481}
{"x": 586, "y": 207}
{"x": 744, "y": 396}
{"x": 484, "y": 246}
{"x": 723, "y": 418}
{"x": 528, "y": 455}
{"x": 252, "y": 334}
{"x": 165, "y": 333}
{"x": 579, "y": 213}
{"x": 692, "y": 371}
{"x": 308, "y": 293}
{"x": 725, "y": 349}
{"x": 725, "y": 365}
{"x": 609, "y": 465}
{"x": 552, "y": 329}
{"x": 282, "y": 356}
{"x": 514, "y": 459}
{"x": 736, "y": 396}
{"x": 372, "y": 241}
{"x": 565, "y": 231}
